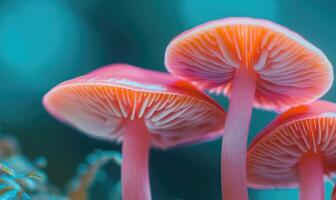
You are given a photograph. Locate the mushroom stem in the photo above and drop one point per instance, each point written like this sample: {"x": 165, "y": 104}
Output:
{"x": 236, "y": 134}
{"x": 134, "y": 168}
{"x": 311, "y": 177}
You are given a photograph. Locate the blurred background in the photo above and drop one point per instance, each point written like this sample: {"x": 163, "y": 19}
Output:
{"x": 43, "y": 43}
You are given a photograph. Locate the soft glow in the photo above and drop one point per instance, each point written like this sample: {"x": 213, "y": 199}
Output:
{"x": 126, "y": 82}
{"x": 34, "y": 35}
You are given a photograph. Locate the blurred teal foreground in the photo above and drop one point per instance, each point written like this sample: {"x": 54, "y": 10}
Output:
{"x": 43, "y": 43}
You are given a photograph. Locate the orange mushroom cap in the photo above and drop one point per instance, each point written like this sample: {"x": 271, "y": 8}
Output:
{"x": 290, "y": 70}
{"x": 174, "y": 111}
{"x": 272, "y": 158}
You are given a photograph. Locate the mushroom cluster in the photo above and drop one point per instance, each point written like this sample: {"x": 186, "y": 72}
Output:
{"x": 256, "y": 63}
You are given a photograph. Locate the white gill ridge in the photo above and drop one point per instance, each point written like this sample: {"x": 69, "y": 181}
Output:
{"x": 161, "y": 109}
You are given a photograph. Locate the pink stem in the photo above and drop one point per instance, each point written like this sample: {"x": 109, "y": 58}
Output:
{"x": 134, "y": 169}
{"x": 235, "y": 135}
{"x": 311, "y": 177}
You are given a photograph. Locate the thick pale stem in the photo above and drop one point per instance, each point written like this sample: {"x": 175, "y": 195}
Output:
{"x": 134, "y": 170}
{"x": 311, "y": 177}
{"x": 236, "y": 134}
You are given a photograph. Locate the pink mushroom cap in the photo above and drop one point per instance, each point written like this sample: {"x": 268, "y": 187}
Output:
{"x": 273, "y": 157}
{"x": 98, "y": 103}
{"x": 290, "y": 70}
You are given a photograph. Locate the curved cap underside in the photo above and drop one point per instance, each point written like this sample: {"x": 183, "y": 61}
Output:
{"x": 291, "y": 71}
{"x": 173, "y": 115}
{"x": 272, "y": 159}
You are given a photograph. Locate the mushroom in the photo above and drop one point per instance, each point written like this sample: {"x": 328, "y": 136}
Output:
{"x": 297, "y": 149}
{"x": 140, "y": 107}
{"x": 255, "y": 62}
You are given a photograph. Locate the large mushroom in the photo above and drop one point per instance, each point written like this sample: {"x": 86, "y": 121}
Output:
{"x": 297, "y": 149}
{"x": 140, "y": 107}
{"x": 255, "y": 62}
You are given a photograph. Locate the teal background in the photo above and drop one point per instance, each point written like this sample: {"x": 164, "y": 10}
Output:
{"x": 44, "y": 42}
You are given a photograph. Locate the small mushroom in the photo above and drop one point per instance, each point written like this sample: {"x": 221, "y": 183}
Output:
{"x": 139, "y": 107}
{"x": 297, "y": 149}
{"x": 255, "y": 62}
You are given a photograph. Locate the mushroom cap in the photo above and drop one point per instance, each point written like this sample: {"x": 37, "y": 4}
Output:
{"x": 272, "y": 158}
{"x": 99, "y": 103}
{"x": 290, "y": 70}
